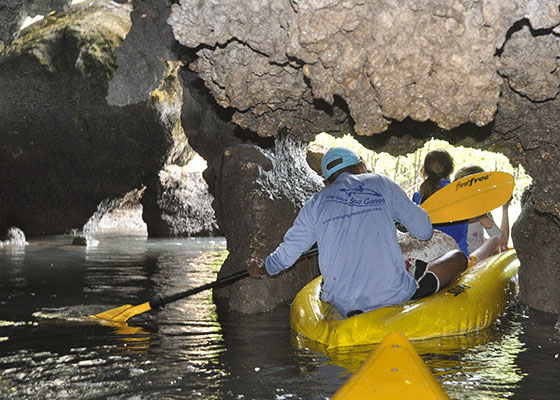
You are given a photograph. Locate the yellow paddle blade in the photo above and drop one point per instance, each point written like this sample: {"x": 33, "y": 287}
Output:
{"x": 394, "y": 370}
{"x": 469, "y": 197}
{"x": 123, "y": 313}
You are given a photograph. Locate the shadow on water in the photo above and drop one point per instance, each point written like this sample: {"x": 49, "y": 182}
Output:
{"x": 272, "y": 367}
{"x": 191, "y": 349}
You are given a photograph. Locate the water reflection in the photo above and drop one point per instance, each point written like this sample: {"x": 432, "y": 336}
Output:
{"x": 540, "y": 360}
{"x": 194, "y": 349}
{"x": 265, "y": 362}
{"x": 475, "y": 366}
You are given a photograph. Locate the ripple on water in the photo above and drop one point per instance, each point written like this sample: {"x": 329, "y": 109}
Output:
{"x": 185, "y": 351}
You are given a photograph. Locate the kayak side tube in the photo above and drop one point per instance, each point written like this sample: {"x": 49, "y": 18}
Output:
{"x": 472, "y": 303}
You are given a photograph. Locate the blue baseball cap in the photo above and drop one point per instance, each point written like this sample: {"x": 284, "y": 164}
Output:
{"x": 329, "y": 164}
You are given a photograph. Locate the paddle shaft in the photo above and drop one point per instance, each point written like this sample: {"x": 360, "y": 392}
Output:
{"x": 228, "y": 280}
{"x": 217, "y": 283}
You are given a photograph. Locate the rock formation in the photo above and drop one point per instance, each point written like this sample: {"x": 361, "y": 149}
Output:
{"x": 537, "y": 287}
{"x": 184, "y": 205}
{"x": 14, "y": 238}
{"x": 480, "y": 74}
{"x": 252, "y": 182}
{"x": 64, "y": 148}
{"x": 13, "y": 14}
{"x": 393, "y": 73}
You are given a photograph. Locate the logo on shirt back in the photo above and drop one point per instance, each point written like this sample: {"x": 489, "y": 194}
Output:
{"x": 366, "y": 200}
{"x": 360, "y": 190}
{"x": 357, "y": 196}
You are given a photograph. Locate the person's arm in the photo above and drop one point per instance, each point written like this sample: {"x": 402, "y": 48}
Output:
{"x": 492, "y": 229}
{"x": 504, "y": 225}
{"x": 488, "y": 223}
{"x": 298, "y": 239}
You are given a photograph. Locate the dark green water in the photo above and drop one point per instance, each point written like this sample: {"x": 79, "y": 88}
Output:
{"x": 191, "y": 350}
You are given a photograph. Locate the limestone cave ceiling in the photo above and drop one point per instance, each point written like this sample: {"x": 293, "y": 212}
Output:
{"x": 391, "y": 72}
{"x": 381, "y": 67}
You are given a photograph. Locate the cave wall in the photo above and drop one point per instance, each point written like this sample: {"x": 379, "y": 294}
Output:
{"x": 392, "y": 73}
{"x": 267, "y": 188}
{"x": 63, "y": 148}
{"x": 13, "y": 14}
{"x": 538, "y": 286}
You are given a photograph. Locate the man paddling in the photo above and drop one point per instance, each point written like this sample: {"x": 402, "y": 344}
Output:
{"x": 352, "y": 220}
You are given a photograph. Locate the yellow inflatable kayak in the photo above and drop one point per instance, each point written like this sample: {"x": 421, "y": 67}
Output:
{"x": 472, "y": 303}
{"x": 393, "y": 371}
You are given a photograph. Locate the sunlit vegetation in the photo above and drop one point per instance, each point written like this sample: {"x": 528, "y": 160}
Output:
{"x": 216, "y": 259}
{"x": 407, "y": 170}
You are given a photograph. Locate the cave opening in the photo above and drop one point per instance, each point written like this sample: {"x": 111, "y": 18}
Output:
{"x": 184, "y": 202}
{"x": 406, "y": 170}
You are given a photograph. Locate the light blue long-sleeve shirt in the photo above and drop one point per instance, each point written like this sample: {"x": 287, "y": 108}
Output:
{"x": 353, "y": 223}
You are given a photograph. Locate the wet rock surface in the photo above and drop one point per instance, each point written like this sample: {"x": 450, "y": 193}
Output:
{"x": 184, "y": 205}
{"x": 64, "y": 149}
{"x": 251, "y": 183}
{"x": 539, "y": 277}
{"x": 14, "y": 237}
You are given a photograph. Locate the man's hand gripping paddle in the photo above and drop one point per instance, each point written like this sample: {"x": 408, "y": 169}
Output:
{"x": 465, "y": 198}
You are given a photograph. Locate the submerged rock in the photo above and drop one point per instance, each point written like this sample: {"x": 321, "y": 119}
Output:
{"x": 14, "y": 238}
{"x": 85, "y": 240}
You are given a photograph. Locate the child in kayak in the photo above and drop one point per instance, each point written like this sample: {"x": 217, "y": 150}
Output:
{"x": 477, "y": 226}
{"x": 352, "y": 220}
{"x": 437, "y": 169}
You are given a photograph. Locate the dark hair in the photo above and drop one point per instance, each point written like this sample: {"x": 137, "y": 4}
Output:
{"x": 438, "y": 165}
{"x": 353, "y": 169}
{"x": 466, "y": 170}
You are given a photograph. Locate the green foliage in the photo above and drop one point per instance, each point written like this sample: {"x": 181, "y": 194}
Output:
{"x": 216, "y": 259}
{"x": 407, "y": 170}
